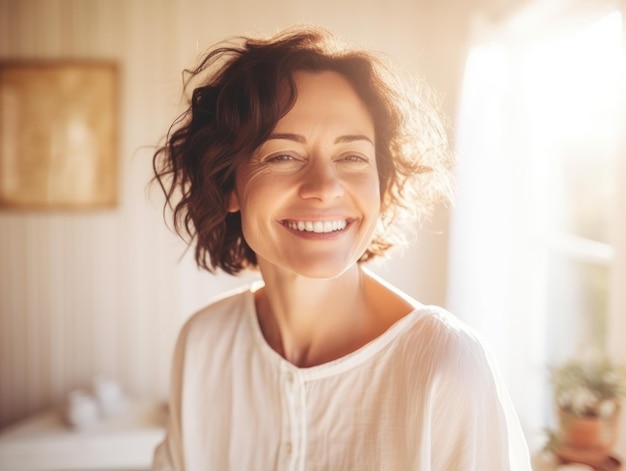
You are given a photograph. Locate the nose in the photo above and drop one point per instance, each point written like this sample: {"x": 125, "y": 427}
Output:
{"x": 321, "y": 182}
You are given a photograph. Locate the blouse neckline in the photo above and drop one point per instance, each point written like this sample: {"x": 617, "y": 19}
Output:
{"x": 333, "y": 367}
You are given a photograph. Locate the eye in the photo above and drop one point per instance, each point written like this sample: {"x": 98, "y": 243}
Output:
{"x": 284, "y": 161}
{"x": 356, "y": 158}
{"x": 276, "y": 158}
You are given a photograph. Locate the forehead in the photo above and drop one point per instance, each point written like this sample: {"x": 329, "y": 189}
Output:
{"x": 327, "y": 98}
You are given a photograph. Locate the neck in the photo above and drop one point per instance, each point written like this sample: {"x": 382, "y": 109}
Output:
{"x": 311, "y": 321}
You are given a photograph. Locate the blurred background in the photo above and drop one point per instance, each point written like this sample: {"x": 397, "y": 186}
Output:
{"x": 532, "y": 254}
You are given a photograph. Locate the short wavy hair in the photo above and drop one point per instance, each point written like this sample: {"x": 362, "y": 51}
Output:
{"x": 241, "y": 88}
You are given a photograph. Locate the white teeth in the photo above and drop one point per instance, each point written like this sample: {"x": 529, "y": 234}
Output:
{"x": 317, "y": 226}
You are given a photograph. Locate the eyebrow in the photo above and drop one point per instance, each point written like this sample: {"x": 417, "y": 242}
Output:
{"x": 340, "y": 140}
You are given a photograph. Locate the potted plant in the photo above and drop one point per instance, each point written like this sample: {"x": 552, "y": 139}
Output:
{"x": 588, "y": 393}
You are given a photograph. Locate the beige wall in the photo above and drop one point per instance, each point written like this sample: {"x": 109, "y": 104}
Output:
{"x": 104, "y": 291}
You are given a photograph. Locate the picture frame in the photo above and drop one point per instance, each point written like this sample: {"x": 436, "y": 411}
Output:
{"x": 58, "y": 134}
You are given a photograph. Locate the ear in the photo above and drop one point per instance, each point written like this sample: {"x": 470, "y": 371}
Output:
{"x": 232, "y": 202}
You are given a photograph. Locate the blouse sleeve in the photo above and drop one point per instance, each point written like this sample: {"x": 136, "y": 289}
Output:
{"x": 168, "y": 456}
{"x": 474, "y": 426}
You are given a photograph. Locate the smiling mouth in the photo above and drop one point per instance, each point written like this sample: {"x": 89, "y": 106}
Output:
{"x": 319, "y": 227}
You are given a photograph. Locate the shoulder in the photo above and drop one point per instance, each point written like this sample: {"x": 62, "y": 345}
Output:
{"x": 220, "y": 318}
{"x": 447, "y": 348}
{"x": 451, "y": 361}
{"x": 444, "y": 332}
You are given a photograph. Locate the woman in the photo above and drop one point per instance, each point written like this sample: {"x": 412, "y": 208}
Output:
{"x": 302, "y": 159}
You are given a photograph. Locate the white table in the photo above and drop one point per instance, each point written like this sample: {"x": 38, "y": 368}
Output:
{"x": 44, "y": 442}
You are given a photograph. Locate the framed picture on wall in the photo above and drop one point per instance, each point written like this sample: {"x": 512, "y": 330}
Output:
{"x": 58, "y": 134}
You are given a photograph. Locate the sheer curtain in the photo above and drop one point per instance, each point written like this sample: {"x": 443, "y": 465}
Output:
{"x": 535, "y": 235}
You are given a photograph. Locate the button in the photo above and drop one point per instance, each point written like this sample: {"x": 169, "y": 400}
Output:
{"x": 290, "y": 376}
{"x": 288, "y": 448}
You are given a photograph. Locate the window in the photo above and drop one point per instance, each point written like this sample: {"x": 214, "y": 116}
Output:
{"x": 535, "y": 232}
{"x": 569, "y": 97}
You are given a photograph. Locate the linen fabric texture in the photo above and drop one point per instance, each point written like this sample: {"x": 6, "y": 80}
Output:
{"x": 422, "y": 396}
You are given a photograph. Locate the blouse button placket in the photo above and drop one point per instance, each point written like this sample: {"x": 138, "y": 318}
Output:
{"x": 293, "y": 439}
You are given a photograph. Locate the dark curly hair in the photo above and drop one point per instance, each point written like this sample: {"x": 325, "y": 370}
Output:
{"x": 242, "y": 88}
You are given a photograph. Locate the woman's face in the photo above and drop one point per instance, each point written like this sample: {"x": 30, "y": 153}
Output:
{"x": 309, "y": 196}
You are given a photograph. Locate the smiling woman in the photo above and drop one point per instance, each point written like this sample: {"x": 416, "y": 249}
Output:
{"x": 303, "y": 159}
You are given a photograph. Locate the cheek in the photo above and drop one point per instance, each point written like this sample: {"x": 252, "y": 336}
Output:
{"x": 258, "y": 197}
{"x": 374, "y": 201}
{"x": 370, "y": 189}
{"x": 260, "y": 192}
{"x": 247, "y": 187}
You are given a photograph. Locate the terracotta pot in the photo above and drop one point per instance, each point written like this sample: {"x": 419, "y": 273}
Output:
{"x": 587, "y": 440}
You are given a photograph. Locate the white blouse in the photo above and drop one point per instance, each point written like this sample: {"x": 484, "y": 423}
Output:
{"x": 422, "y": 396}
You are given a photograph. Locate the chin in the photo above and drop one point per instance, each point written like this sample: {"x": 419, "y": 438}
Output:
{"x": 319, "y": 265}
